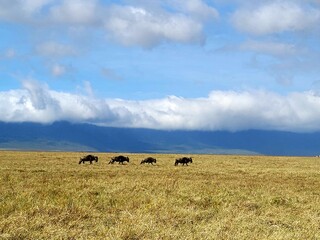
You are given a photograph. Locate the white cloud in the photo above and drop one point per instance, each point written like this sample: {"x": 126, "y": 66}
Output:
{"x": 85, "y": 89}
{"x": 37, "y": 103}
{"x": 81, "y": 12}
{"x": 221, "y": 110}
{"x": 130, "y": 25}
{"x": 138, "y": 26}
{"x": 38, "y": 94}
{"x": 34, "y": 6}
{"x": 276, "y": 17}
{"x": 21, "y": 11}
{"x": 54, "y": 11}
{"x": 88, "y": 88}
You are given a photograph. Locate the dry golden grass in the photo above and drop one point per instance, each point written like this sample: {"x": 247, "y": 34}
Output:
{"x": 48, "y": 195}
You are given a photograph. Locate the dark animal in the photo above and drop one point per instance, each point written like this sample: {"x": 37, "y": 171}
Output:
{"x": 88, "y": 158}
{"x": 119, "y": 159}
{"x": 149, "y": 160}
{"x": 183, "y": 161}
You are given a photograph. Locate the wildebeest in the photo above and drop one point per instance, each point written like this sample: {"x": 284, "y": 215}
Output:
{"x": 149, "y": 160}
{"x": 119, "y": 159}
{"x": 183, "y": 161}
{"x": 89, "y": 158}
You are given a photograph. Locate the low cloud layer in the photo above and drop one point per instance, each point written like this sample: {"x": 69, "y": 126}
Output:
{"x": 221, "y": 110}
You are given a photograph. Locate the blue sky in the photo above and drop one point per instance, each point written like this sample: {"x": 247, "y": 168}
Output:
{"x": 163, "y": 64}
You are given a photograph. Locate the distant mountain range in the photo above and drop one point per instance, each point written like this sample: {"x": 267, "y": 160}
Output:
{"x": 65, "y": 136}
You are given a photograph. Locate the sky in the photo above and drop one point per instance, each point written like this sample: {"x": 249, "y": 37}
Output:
{"x": 162, "y": 64}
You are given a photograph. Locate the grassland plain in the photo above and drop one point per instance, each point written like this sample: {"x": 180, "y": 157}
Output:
{"x": 48, "y": 195}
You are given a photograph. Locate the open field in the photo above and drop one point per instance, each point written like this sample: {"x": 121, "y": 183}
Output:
{"x": 48, "y": 195}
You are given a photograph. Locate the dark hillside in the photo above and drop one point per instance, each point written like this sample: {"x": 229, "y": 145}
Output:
{"x": 84, "y": 137}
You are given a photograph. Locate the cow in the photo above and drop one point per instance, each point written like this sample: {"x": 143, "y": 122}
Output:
{"x": 183, "y": 161}
{"x": 149, "y": 160}
{"x": 89, "y": 158}
{"x": 119, "y": 159}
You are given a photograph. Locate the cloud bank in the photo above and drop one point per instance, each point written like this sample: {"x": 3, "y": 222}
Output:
{"x": 221, "y": 110}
